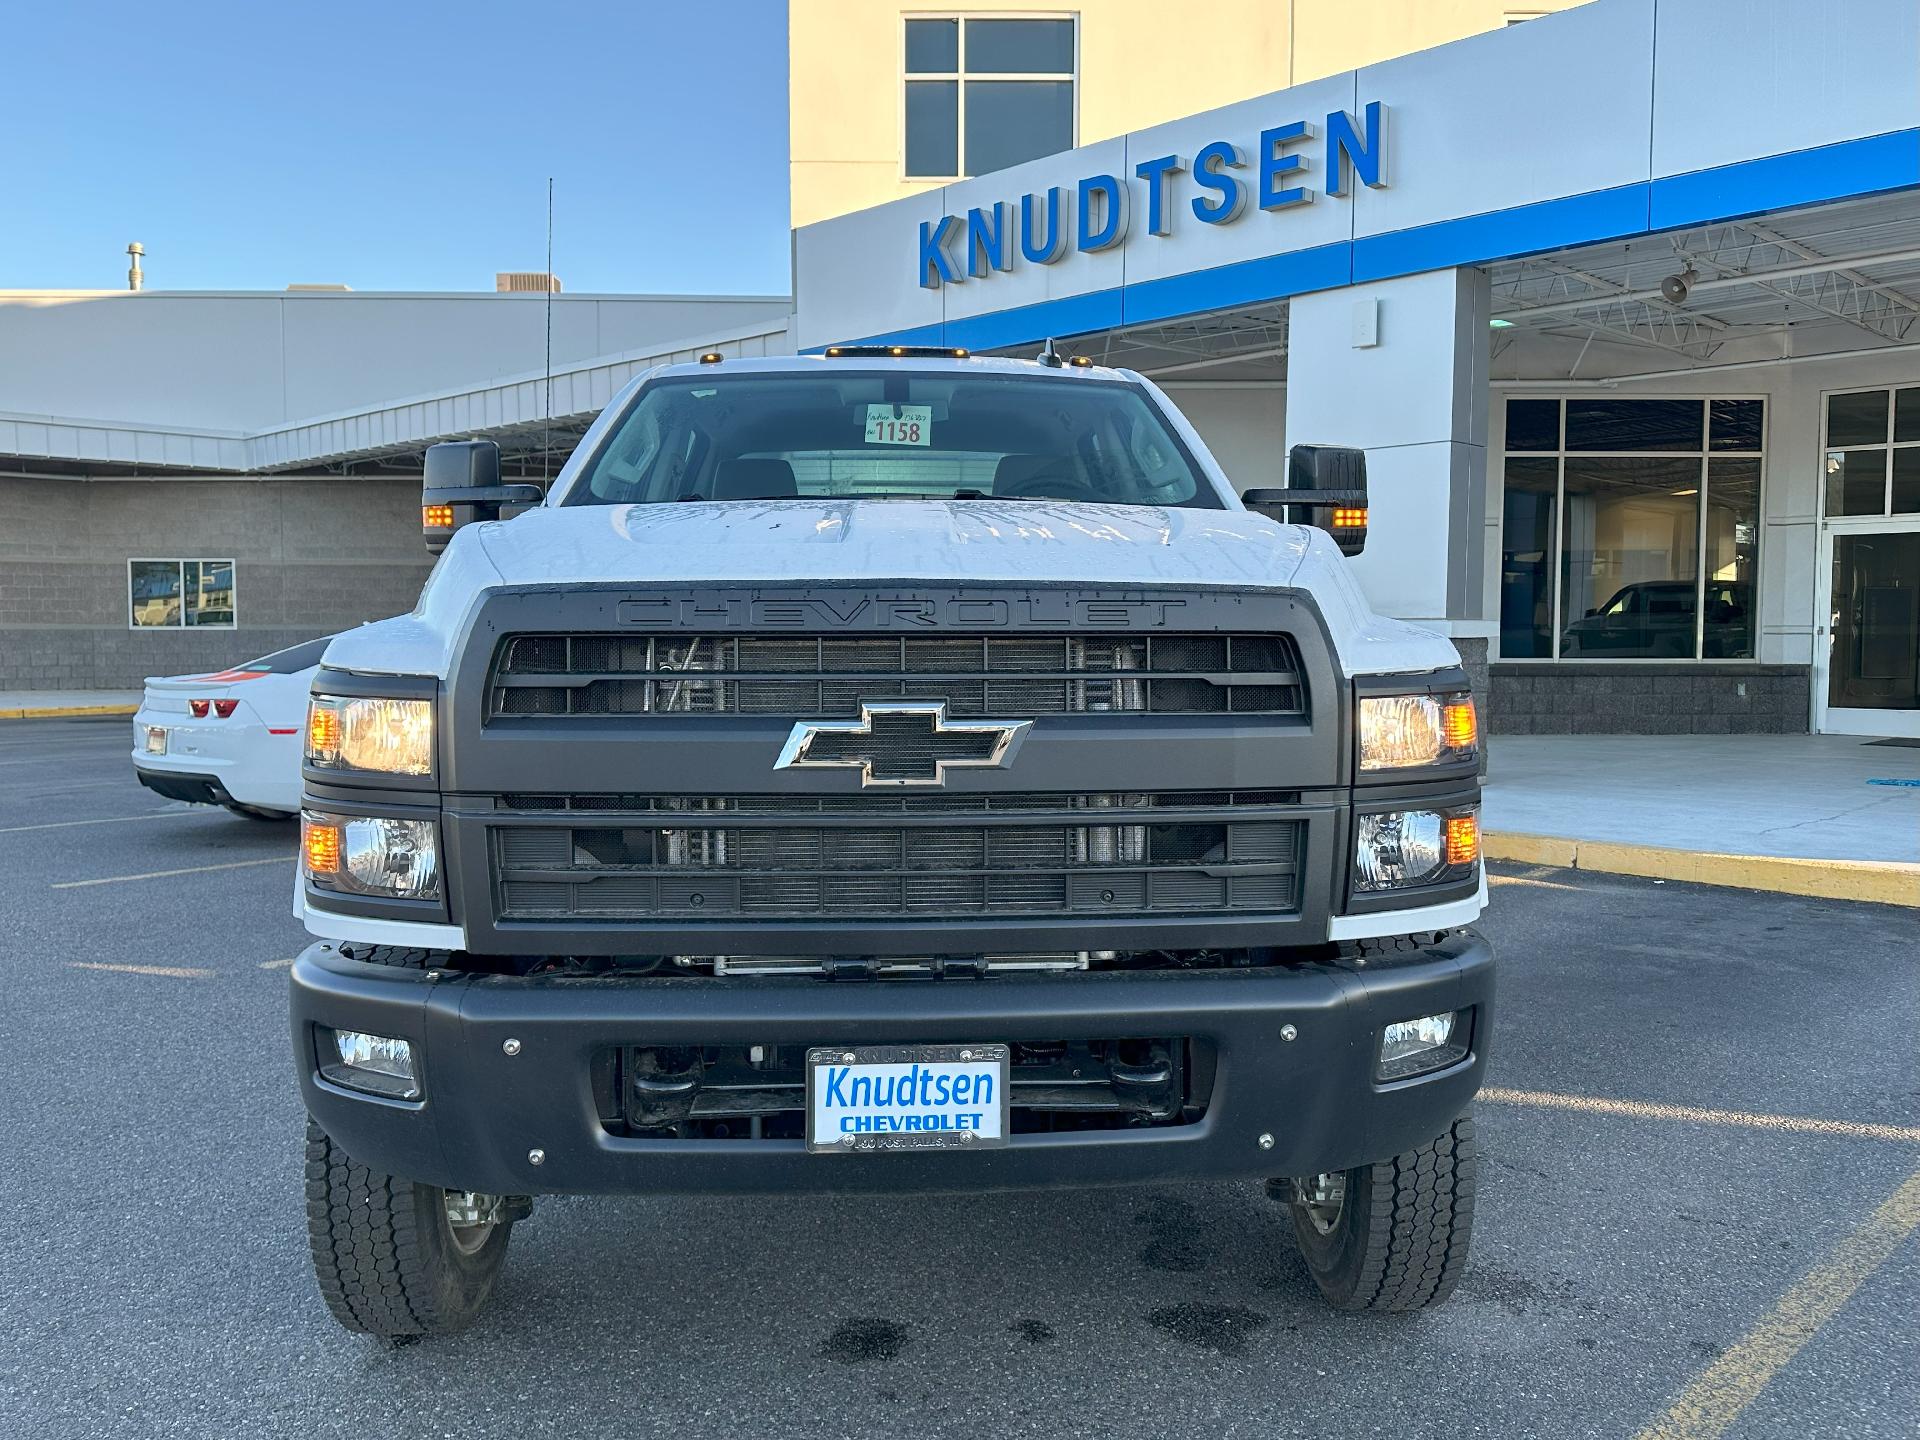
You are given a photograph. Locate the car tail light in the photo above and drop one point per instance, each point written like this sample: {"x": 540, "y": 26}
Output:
{"x": 199, "y": 708}
{"x": 224, "y": 708}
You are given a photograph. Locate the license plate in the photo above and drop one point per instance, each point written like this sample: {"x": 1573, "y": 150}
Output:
{"x": 862, "y": 1098}
{"x": 156, "y": 740}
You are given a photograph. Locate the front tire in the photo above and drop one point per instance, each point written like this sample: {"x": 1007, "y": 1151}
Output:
{"x": 388, "y": 1254}
{"x": 1392, "y": 1235}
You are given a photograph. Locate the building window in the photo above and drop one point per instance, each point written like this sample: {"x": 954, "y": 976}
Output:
{"x": 1630, "y": 529}
{"x": 171, "y": 594}
{"x": 986, "y": 93}
{"x": 1873, "y": 453}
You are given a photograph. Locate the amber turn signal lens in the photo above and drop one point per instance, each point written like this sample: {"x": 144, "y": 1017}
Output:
{"x": 321, "y": 843}
{"x": 1350, "y": 519}
{"x": 1460, "y": 725}
{"x": 323, "y": 730}
{"x": 1463, "y": 839}
{"x": 436, "y": 517}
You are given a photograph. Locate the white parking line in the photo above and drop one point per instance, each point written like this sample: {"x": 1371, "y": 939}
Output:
{"x": 163, "y": 874}
{"x": 109, "y": 820}
{"x": 1493, "y": 879}
{"x": 276, "y": 964}
{"x": 171, "y": 972}
{"x": 1650, "y": 1110}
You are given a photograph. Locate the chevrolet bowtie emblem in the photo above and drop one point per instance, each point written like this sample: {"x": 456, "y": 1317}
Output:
{"x": 903, "y": 742}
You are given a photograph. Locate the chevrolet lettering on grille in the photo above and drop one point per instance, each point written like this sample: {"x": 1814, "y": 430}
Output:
{"x": 907, "y": 742}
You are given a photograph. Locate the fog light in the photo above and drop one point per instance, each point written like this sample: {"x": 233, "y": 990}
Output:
{"x": 1413, "y": 1047}
{"x": 377, "y": 1064}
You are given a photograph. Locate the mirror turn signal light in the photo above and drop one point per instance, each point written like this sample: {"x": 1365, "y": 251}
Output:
{"x": 436, "y": 517}
{"x": 1463, "y": 839}
{"x": 1350, "y": 517}
{"x": 320, "y": 842}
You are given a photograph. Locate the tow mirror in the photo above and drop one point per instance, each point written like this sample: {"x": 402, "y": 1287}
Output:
{"x": 1326, "y": 488}
{"x": 461, "y": 484}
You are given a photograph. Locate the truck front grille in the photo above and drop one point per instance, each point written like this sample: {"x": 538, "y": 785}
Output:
{"x": 828, "y": 676}
{"x": 761, "y": 857}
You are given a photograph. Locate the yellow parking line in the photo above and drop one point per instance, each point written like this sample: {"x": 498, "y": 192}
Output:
{"x": 110, "y": 820}
{"x": 163, "y": 874}
{"x": 172, "y": 972}
{"x": 1649, "y": 1110}
{"x": 1710, "y": 1405}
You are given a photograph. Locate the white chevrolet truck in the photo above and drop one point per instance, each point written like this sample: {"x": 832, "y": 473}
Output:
{"x": 887, "y": 770}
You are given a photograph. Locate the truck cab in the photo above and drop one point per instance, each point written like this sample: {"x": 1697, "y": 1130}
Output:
{"x": 887, "y": 770}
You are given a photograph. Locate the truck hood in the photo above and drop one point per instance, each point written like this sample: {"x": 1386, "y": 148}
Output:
{"x": 981, "y": 541}
{"x": 795, "y": 542}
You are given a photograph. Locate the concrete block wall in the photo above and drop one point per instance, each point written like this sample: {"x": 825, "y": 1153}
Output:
{"x": 1599, "y": 699}
{"x": 311, "y": 556}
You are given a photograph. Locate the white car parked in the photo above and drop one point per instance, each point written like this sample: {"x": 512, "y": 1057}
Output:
{"x": 231, "y": 738}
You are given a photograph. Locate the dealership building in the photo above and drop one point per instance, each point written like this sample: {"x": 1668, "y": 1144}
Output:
{"x": 1623, "y": 303}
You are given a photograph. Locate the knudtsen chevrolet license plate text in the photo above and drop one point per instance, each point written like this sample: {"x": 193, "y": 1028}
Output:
{"x": 906, "y": 1097}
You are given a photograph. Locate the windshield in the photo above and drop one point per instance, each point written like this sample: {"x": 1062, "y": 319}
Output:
{"x": 893, "y": 435}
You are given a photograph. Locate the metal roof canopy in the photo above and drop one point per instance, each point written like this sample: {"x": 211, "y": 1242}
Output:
{"x": 1837, "y": 278}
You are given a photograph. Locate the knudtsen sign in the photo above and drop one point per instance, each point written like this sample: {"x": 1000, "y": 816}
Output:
{"x": 1098, "y": 213}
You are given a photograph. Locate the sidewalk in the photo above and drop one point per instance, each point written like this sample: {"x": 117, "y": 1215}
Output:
{"x": 1829, "y": 815}
{"x": 58, "y": 704}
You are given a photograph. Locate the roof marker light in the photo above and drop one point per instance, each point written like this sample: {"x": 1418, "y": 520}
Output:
{"x": 711, "y": 357}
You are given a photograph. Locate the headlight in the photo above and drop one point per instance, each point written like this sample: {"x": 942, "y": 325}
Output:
{"x": 371, "y": 855}
{"x": 1400, "y": 732}
{"x": 1414, "y": 847}
{"x": 393, "y": 737}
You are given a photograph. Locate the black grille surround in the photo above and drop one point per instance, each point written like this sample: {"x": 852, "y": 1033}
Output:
{"x": 647, "y": 831}
{"x": 1042, "y": 856}
{"x": 828, "y": 676}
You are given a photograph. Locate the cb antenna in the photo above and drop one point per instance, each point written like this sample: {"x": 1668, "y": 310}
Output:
{"x": 546, "y": 436}
{"x": 1050, "y": 357}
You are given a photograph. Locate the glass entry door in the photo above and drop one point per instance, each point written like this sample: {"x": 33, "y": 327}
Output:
{"x": 1870, "y": 632}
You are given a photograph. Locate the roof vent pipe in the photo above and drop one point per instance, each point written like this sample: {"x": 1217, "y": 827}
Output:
{"x": 134, "y": 278}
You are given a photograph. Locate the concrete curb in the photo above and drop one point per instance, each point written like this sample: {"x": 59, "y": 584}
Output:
{"x": 63, "y": 712}
{"x": 1883, "y": 882}
{"x": 66, "y": 711}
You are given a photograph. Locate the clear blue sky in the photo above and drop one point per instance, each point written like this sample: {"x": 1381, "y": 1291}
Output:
{"x": 395, "y": 146}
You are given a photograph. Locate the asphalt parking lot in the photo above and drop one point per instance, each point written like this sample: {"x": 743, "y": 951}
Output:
{"x": 1636, "y": 1269}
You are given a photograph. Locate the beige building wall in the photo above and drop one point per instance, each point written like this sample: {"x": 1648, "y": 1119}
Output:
{"x": 1142, "y": 62}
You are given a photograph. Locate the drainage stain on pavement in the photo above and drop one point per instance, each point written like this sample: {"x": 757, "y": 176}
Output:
{"x": 855, "y": 1342}
{"x": 1034, "y": 1332}
{"x": 1223, "y": 1329}
{"x": 1174, "y": 1240}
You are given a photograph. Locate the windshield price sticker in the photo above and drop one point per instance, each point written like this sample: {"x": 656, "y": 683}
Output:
{"x": 899, "y": 424}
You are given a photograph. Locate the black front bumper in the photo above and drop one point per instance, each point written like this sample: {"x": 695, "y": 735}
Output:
{"x": 485, "y": 1111}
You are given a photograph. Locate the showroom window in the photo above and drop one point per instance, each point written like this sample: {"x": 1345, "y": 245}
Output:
{"x": 986, "y": 93}
{"x": 171, "y": 594}
{"x": 1873, "y": 453}
{"x": 1630, "y": 529}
